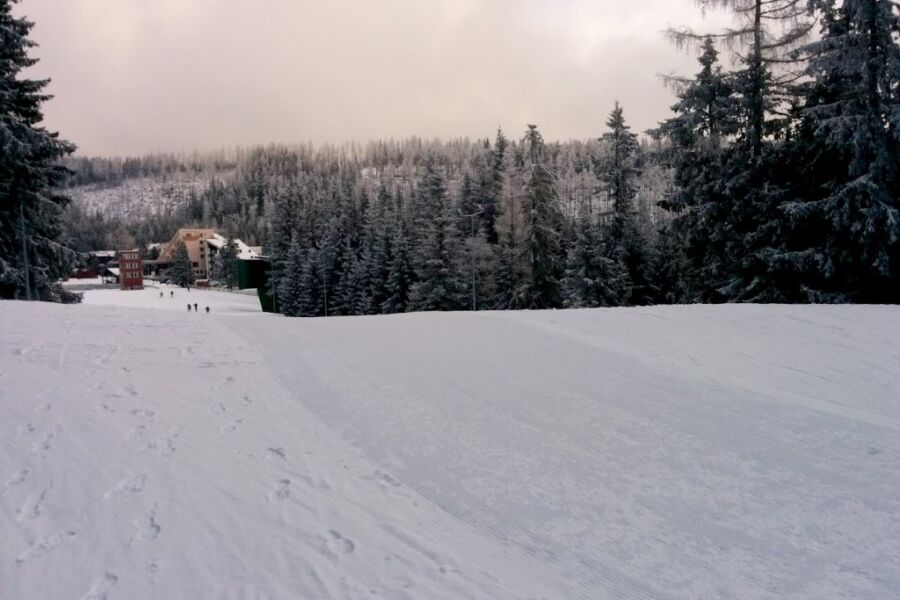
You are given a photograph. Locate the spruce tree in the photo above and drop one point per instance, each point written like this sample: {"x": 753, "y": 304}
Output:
{"x": 312, "y": 290}
{"x": 845, "y": 236}
{"x": 707, "y": 116}
{"x": 182, "y": 269}
{"x": 624, "y": 241}
{"x": 438, "y": 285}
{"x": 542, "y": 227}
{"x": 400, "y": 275}
{"x": 290, "y": 283}
{"x": 375, "y": 256}
{"x": 509, "y": 278}
{"x": 765, "y": 40}
{"x": 591, "y": 278}
{"x": 33, "y": 251}
{"x": 226, "y": 264}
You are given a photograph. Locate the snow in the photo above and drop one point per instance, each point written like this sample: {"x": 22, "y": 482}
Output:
{"x": 175, "y": 298}
{"x": 137, "y": 198}
{"x": 672, "y": 452}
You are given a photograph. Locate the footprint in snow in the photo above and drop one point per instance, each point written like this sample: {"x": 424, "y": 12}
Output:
{"x": 142, "y": 413}
{"x": 44, "y": 444}
{"x": 275, "y": 454}
{"x": 148, "y": 528}
{"x": 32, "y": 507}
{"x": 339, "y": 543}
{"x": 44, "y": 408}
{"x": 128, "y": 487}
{"x": 246, "y": 401}
{"x": 281, "y": 490}
{"x": 17, "y": 479}
{"x": 137, "y": 431}
{"x": 100, "y": 586}
{"x": 45, "y": 545}
{"x": 218, "y": 408}
{"x": 230, "y": 427}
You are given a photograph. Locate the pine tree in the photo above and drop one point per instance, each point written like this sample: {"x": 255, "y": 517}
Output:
{"x": 349, "y": 284}
{"x": 767, "y": 34}
{"x": 845, "y": 239}
{"x": 707, "y": 115}
{"x": 617, "y": 167}
{"x": 623, "y": 240}
{"x": 400, "y": 275}
{"x": 509, "y": 278}
{"x": 182, "y": 269}
{"x": 591, "y": 278}
{"x": 33, "y": 252}
{"x": 542, "y": 227}
{"x": 226, "y": 264}
{"x": 371, "y": 269}
{"x": 766, "y": 41}
{"x": 313, "y": 293}
{"x": 437, "y": 285}
{"x": 290, "y": 284}
{"x": 489, "y": 186}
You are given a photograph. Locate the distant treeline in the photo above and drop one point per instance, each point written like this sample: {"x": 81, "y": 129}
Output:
{"x": 775, "y": 181}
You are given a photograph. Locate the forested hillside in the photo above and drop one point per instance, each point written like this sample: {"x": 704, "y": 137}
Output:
{"x": 775, "y": 180}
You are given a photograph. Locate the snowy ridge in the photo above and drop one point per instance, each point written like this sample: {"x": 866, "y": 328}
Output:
{"x": 133, "y": 199}
{"x": 666, "y": 453}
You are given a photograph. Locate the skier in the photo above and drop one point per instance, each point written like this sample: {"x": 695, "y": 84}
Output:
{"x": 189, "y": 307}
{"x": 207, "y": 310}
{"x": 195, "y": 307}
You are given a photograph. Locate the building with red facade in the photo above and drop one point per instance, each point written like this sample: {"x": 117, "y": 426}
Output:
{"x": 131, "y": 270}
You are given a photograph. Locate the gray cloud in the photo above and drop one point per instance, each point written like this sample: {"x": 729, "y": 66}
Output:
{"x": 136, "y": 76}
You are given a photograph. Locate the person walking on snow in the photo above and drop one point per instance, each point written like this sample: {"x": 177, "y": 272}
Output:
{"x": 171, "y": 294}
{"x": 207, "y": 310}
{"x": 195, "y": 307}
{"x": 189, "y": 307}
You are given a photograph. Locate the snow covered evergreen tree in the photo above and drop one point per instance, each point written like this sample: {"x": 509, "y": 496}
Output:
{"x": 509, "y": 277}
{"x": 182, "y": 269}
{"x": 845, "y": 239}
{"x": 401, "y": 274}
{"x": 438, "y": 285}
{"x": 312, "y": 290}
{"x": 226, "y": 264}
{"x": 542, "y": 227}
{"x": 707, "y": 116}
{"x": 765, "y": 40}
{"x": 290, "y": 282}
{"x": 33, "y": 252}
{"x": 623, "y": 240}
{"x": 591, "y": 278}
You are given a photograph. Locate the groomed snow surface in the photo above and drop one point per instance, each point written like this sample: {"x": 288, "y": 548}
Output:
{"x": 731, "y": 452}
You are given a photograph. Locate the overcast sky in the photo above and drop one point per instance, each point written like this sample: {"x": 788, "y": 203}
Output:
{"x": 138, "y": 76}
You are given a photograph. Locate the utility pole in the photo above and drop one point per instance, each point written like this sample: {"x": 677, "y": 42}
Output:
{"x": 25, "y": 252}
{"x": 471, "y": 218}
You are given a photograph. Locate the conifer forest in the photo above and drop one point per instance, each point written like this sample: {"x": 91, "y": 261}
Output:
{"x": 776, "y": 178}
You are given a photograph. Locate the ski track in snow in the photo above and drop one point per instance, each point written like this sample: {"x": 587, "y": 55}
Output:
{"x": 667, "y": 453}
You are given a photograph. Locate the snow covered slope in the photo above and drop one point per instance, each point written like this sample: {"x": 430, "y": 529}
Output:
{"x": 139, "y": 198}
{"x": 676, "y": 452}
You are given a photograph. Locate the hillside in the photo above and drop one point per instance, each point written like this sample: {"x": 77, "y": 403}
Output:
{"x": 674, "y": 452}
